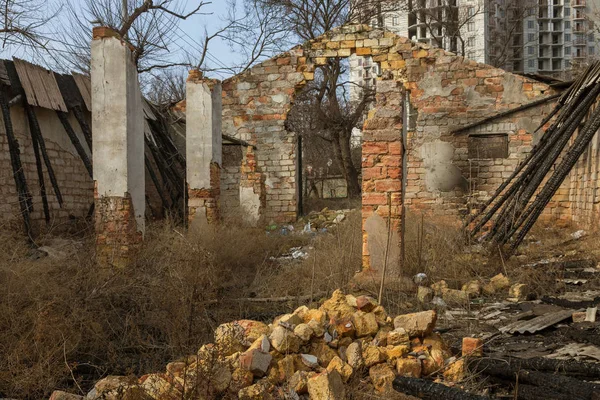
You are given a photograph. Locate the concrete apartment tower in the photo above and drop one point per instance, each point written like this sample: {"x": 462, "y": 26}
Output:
{"x": 545, "y": 37}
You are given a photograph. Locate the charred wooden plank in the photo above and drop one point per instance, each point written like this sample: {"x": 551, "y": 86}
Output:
{"x": 35, "y": 130}
{"x": 25, "y": 200}
{"x": 85, "y": 128}
{"x": 156, "y": 182}
{"x": 554, "y": 382}
{"x": 426, "y": 389}
{"x": 40, "y": 172}
{"x": 63, "y": 117}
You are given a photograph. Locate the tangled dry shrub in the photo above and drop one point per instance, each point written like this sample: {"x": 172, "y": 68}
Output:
{"x": 66, "y": 323}
{"x": 334, "y": 258}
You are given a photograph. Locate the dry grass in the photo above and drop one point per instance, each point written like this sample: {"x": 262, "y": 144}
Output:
{"x": 67, "y": 323}
{"x": 66, "y": 318}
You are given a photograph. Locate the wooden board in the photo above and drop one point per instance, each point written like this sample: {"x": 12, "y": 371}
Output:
{"x": 85, "y": 88}
{"x": 41, "y": 89}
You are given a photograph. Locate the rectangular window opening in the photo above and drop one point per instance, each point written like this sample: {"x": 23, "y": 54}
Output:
{"x": 488, "y": 146}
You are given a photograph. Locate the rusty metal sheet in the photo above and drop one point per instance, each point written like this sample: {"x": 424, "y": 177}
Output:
{"x": 85, "y": 88}
{"x": 41, "y": 89}
{"x": 537, "y": 323}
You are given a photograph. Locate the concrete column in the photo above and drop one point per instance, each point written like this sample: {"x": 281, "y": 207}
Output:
{"x": 204, "y": 145}
{"x": 252, "y": 191}
{"x": 118, "y": 142}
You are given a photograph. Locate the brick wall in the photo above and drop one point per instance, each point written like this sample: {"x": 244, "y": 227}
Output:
{"x": 443, "y": 92}
{"x": 74, "y": 182}
{"x": 582, "y": 187}
{"x": 230, "y": 180}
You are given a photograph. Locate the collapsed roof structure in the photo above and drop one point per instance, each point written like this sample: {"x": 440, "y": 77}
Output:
{"x": 575, "y": 122}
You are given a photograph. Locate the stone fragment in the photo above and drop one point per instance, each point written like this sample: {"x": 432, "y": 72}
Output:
{"x": 303, "y": 331}
{"x": 436, "y": 352}
{"x": 290, "y": 320}
{"x": 176, "y": 369}
{"x": 417, "y": 324}
{"x": 410, "y": 367}
{"x": 472, "y": 347}
{"x": 240, "y": 378}
{"x": 397, "y": 336}
{"x": 382, "y": 377}
{"x": 424, "y": 295}
{"x": 351, "y": 300}
{"x": 366, "y": 303}
{"x": 237, "y": 336}
{"x": 354, "y": 356}
{"x": 284, "y": 341}
{"x": 299, "y": 382}
{"x": 365, "y": 324}
{"x": 344, "y": 369}
{"x": 327, "y": 385}
{"x": 438, "y": 287}
{"x": 393, "y": 352}
{"x": 234, "y": 360}
{"x": 60, "y": 395}
{"x": 322, "y": 351}
{"x": 256, "y": 361}
{"x": 518, "y": 292}
{"x": 337, "y": 307}
{"x": 381, "y": 336}
{"x": 317, "y": 327}
{"x": 309, "y": 360}
{"x": 456, "y": 372}
{"x": 381, "y": 315}
{"x": 115, "y": 388}
{"x": 301, "y": 311}
{"x": 455, "y": 297}
{"x": 343, "y": 326}
{"x": 473, "y": 288}
{"x": 262, "y": 343}
{"x": 286, "y": 367}
{"x": 261, "y": 390}
{"x": 316, "y": 315}
{"x": 372, "y": 355}
{"x": 496, "y": 284}
{"x": 156, "y": 386}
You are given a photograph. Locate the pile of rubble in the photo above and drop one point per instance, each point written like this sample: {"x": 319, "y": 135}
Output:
{"x": 310, "y": 353}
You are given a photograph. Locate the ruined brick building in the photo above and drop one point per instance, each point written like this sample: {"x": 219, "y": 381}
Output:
{"x": 441, "y": 135}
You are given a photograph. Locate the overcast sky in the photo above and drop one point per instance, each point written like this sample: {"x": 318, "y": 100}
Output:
{"x": 190, "y": 35}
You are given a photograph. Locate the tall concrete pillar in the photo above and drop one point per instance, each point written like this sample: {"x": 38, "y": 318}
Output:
{"x": 118, "y": 142}
{"x": 203, "y": 148}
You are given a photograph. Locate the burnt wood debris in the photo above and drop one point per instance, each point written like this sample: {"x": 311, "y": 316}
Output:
{"x": 510, "y": 209}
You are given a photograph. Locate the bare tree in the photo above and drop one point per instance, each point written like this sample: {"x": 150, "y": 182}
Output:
{"x": 150, "y": 26}
{"x": 326, "y": 118}
{"x": 166, "y": 87}
{"x": 22, "y": 23}
{"x": 331, "y": 116}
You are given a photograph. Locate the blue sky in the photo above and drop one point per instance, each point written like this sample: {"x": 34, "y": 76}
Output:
{"x": 190, "y": 34}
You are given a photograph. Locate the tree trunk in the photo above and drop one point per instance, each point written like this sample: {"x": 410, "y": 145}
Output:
{"x": 344, "y": 154}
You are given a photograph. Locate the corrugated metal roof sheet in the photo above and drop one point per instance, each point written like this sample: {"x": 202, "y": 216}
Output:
{"x": 41, "y": 89}
{"x": 537, "y": 323}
